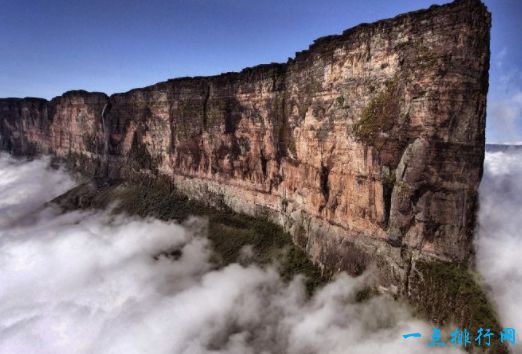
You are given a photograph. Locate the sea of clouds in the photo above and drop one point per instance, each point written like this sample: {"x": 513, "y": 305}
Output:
{"x": 499, "y": 239}
{"x": 92, "y": 282}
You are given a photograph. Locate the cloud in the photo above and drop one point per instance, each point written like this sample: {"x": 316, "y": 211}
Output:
{"x": 499, "y": 57}
{"x": 505, "y": 117}
{"x": 92, "y": 282}
{"x": 499, "y": 240}
{"x": 25, "y": 185}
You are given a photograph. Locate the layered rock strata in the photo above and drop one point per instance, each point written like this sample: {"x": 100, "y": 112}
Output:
{"x": 368, "y": 147}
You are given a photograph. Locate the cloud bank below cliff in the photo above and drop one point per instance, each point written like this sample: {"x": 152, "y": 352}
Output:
{"x": 499, "y": 240}
{"x": 92, "y": 282}
{"x": 26, "y": 185}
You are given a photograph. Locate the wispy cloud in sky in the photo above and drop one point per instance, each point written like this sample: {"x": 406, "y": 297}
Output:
{"x": 505, "y": 116}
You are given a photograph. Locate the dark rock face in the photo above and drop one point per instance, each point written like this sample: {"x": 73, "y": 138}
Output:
{"x": 368, "y": 146}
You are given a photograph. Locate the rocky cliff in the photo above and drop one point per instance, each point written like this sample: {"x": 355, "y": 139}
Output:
{"x": 367, "y": 147}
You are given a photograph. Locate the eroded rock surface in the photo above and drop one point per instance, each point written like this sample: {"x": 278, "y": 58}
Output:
{"x": 368, "y": 146}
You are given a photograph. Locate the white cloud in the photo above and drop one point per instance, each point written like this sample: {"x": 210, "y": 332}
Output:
{"x": 25, "y": 185}
{"x": 505, "y": 118}
{"x": 87, "y": 282}
{"x": 499, "y": 240}
{"x": 499, "y": 57}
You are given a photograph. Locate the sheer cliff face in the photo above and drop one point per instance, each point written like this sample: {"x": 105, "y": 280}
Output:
{"x": 368, "y": 146}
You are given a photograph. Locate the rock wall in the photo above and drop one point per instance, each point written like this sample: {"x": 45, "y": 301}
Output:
{"x": 368, "y": 146}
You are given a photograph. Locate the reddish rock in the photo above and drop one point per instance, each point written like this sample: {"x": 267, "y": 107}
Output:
{"x": 368, "y": 146}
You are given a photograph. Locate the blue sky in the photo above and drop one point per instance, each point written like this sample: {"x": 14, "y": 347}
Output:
{"x": 48, "y": 47}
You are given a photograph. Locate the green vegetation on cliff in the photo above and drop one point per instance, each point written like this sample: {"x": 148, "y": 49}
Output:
{"x": 380, "y": 114}
{"x": 450, "y": 294}
{"x": 229, "y": 232}
{"x": 444, "y": 293}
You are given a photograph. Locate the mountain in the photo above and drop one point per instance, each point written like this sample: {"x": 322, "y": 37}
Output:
{"x": 367, "y": 147}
